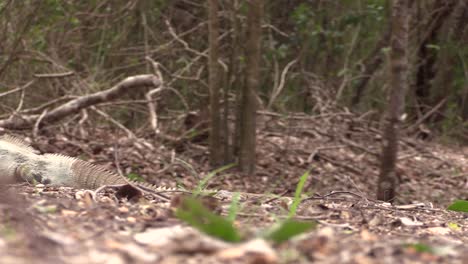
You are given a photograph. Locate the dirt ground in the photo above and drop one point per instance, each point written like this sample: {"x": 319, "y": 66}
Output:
{"x": 42, "y": 224}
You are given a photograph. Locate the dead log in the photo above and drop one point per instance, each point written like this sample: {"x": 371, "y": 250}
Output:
{"x": 16, "y": 121}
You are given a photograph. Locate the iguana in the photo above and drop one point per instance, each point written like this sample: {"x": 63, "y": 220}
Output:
{"x": 20, "y": 162}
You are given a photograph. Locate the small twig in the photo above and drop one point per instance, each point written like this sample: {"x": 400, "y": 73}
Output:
{"x": 358, "y": 146}
{"x": 275, "y": 198}
{"x": 40, "y": 109}
{"x": 156, "y": 69}
{"x": 116, "y": 160}
{"x": 81, "y": 122}
{"x": 355, "y": 171}
{"x": 53, "y": 75}
{"x": 113, "y": 121}
{"x": 346, "y": 77}
{"x": 276, "y": 30}
{"x": 182, "y": 99}
{"x": 153, "y": 116}
{"x": 183, "y": 42}
{"x": 427, "y": 115}
{"x": 17, "y": 89}
{"x": 312, "y": 155}
{"x": 38, "y": 122}
{"x": 277, "y": 90}
{"x": 21, "y": 102}
{"x": 325, "y": 196}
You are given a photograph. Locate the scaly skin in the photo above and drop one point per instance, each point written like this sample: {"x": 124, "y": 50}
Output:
{"x": 20, "y": 162}
{"x": 14, "y": 153}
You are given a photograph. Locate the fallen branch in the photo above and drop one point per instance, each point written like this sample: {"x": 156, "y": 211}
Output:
{"x": 74, "y": 106}
{"x": 54, "y": 75}
{"x": 17, "y": 89}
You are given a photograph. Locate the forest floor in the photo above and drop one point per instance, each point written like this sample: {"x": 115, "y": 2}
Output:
{"x": 42, "y": 224}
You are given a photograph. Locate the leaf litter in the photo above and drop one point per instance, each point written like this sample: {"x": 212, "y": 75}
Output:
{"x": 43, "y": 224}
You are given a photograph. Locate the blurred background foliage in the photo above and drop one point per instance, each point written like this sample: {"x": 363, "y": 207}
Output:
{"x": 331, "y": 46}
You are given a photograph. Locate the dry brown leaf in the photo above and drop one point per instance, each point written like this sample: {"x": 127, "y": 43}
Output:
{"x": 254, "y": 251}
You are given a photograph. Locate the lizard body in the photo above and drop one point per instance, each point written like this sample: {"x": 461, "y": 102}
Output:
{"x": 20, "y": 162}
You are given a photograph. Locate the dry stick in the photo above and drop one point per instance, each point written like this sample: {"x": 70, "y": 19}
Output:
{"x": 346, "y": 77}
{"x": 182, "y": 34}
{"x": 188, "y": 78}
{"x": 325, "y": 196}
{"x": 157, "y": 71}
{"x": 54, "y": 75}
{"x": 427, "y": 115}
{"x": 116, "y": 160}
{"x": 36, "y": 125}
{"x": 82, "y": 102}
{"x": 277, "y": 30}
{"x": 183, "y": 42}
{"x": 113, "y": 121}
{"x": 340, "y": 164}
{"x": 277, "y": 90}
{"x": 152, "y": 103}
{"x": 203, "y": 54}
{"x": 153, "y": 116}
{"x": 20, "y": 105}
{"x": 17, "y": 89}
{"x": 81, "y": 122}
{"x": 358, "y": 146}
{"x": 41, "y": 108}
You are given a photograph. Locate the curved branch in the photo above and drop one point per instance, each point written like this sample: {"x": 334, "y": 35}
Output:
{"x": 74, "y": 106}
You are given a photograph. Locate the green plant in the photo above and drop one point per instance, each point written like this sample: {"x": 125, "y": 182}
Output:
{"x": 419, "y": 247}
{"x": 298, "y": 193}
{"x": 288, "y": 229}
{"x": 195, "y": 214}
{"x": 204, "y": 182}
{"x": 459, "y": 206}
{"x": 135, "y": 177}
{"x": 234, "y": 207}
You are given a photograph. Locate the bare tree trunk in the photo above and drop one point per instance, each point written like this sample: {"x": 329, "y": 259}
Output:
{"x": 387, "y": 181}
{"x": 214, "y": 85}
{"x": 427, "y": 57}
{"x": 461, "y": 31}
{"x": 233, "y": 84}
{"x": 235, "y": 80}
{"x": 371, "y": 65}
{"x": 445, "y": 73}
{"x": 247, "y": 158}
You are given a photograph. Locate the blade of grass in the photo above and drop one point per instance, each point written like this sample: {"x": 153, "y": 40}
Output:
{"x": 297, "y": 194}
{"x": 195, "y": 214}
{"x": 288, "y": 229}
{"x": 233, "y": 208}
{"x": 203, "y": 183}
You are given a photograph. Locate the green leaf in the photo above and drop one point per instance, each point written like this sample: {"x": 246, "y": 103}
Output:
{"x": 433, "y": 46}
{"x": 135, "y": 177}
{"x": 202, "y": 184}
{"x": 297, "y": 195}
{"x": 289, "y": 229}
{"x": 419, "y": 247}
{"x": 233, "y": 208}
{"x": 196, "y": 215}
{"x": 459, "y": 206}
